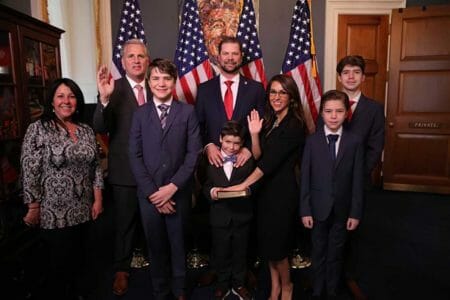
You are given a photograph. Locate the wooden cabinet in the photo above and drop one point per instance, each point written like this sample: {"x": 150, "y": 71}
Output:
{"x": 29, "y": 62}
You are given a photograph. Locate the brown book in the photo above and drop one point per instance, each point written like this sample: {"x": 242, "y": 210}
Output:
{"x": 232, "y": 194}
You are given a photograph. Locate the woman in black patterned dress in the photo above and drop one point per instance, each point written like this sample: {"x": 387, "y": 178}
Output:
{"x": 62, "y": 185}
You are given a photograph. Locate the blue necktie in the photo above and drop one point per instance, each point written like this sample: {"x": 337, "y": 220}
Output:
{"x": 332, "y": 138}
{"x": 231, "y": 158}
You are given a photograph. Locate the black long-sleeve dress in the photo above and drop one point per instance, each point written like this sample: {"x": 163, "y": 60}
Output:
{"x": 277, "y": 196}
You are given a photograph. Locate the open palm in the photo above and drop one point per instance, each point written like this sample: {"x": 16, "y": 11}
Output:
{"x": 254, "y": 122}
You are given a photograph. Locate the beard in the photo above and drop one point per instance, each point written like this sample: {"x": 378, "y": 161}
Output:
{"x": 230, "y": 69}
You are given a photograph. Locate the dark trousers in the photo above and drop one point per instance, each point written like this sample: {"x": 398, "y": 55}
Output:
{"x": 328, "y": 240}
{"x": 65, "y": 265}
{"x": 125, "y": 221}
{"x": 165, "y": 242}
{"x": 229, "y": 247}
{"x": 358, "y": 254}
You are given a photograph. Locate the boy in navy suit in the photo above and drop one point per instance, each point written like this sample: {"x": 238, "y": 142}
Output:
{"x": 229, "y": 218}
{"x": 331, "y": 199}
{"x": 163, "y": 149}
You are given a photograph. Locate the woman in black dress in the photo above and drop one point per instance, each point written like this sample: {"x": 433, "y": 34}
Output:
{"x": 277, "y": 143}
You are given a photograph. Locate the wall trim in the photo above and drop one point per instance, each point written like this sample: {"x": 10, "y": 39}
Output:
{"x": 333, "y": 9}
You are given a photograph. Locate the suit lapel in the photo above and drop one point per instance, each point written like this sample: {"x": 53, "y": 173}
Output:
{"x": 323, "y": 148}
{"x": 240, "y": 97}
{"x": 360, "y": 110}
{"x": 153, "y": 118}
{"x": 129, "y": 93}
{"x": 218, "y": 99}
{"x": 221, "y": 176}
{"x": 173, "y": 112}
{"x": 342, "y": 147}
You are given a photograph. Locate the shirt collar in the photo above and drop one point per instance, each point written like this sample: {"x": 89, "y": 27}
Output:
{"x": 158, "y": 102}
{"x": 328, "y": 131}
{"x": 235, "y": 79}
{"x": 133, "y": 83}
{"x": 356, "y": 99}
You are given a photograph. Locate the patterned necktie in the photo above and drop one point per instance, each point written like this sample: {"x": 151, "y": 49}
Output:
{"x": 164, "y": 113}
{"x": 332, "y": 138}
{"x": 350, "y": 112}
{"x": 140, "y": 96}
{"x": 228, "y": 101}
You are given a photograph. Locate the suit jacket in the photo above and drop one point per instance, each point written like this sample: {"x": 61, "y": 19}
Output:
{"x": 368, "y": 123}
{"x": 237, "y": 210}
{"x": 159, "y": 157}
{"x": 211, "y": 111}
{"x": 326, "y": 185}
{"x": 115, "y": 120}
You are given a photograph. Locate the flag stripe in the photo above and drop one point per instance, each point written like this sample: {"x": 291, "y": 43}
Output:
{"x": 252, "y": 64}
{"x": 299, "y": 59}
{"x": 130, "y": 27}
{"x": 191, "y": 56}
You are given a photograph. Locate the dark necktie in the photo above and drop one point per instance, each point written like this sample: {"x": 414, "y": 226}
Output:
{"x": 228, "y": 100}
{"x": 350, "y": 112}
{"x": 332, "y": 138}
{"x": 163, "y": 117}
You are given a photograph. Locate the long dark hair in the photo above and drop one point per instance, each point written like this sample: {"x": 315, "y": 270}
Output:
{"x": 49, "y": 117}
{"x": 295, "y": 106}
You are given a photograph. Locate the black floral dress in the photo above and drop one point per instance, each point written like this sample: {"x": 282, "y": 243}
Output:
{"x": 60, "y": 173}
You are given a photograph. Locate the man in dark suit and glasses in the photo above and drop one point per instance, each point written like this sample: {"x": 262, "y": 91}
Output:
{"x": 117, "y": 102}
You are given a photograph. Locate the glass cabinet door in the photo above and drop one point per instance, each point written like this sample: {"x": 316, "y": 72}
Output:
{"x": 9, "y": 117}
{"x": 5, "y": 58}
{"x": 33, "y": 66}
{"x": 50, "y": 66}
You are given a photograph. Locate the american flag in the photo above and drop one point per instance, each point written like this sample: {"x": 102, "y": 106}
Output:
{"x": 130, "y": 27}
{"x": 252, "y": 64}
{"x": 300, "y": 62}
{"x": 191, "y": 56}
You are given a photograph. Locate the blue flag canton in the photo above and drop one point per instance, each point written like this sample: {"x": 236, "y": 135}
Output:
{"x": 248, "y": 35}
{"x": 191, "y": 50}
{"x": 299, "y": 47}
{"x": 130, "y": 27}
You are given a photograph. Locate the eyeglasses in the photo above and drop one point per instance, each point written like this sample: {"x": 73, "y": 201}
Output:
{"x": 281, "y": 93}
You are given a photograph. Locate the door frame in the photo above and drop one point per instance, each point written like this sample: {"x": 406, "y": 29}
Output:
{"x": 333, "y": 9}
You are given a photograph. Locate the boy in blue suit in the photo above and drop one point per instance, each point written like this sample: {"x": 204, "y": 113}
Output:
{"x": 332, "y": 189}
{"x": 229, "y": 218}
{"x": 163, "y": 149}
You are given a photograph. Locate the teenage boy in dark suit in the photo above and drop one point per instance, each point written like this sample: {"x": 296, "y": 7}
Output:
{"x": 229, "y": 218}
{"x": 332, "y": 191}
{"x": 365, "y": 119}
{"x": 163, "y": 148}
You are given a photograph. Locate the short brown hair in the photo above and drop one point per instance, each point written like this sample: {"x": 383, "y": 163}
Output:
{"x": 233, "y": 128}
{"x": 351, "y": 60}
{"x": 335, "y": 95}
{"x": 230, "y": 40}
{"x": 164, "y": 66}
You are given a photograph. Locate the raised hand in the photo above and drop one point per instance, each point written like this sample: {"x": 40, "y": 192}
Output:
{"x": 254, "y": 122}
{"x": 104, "y": 84}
